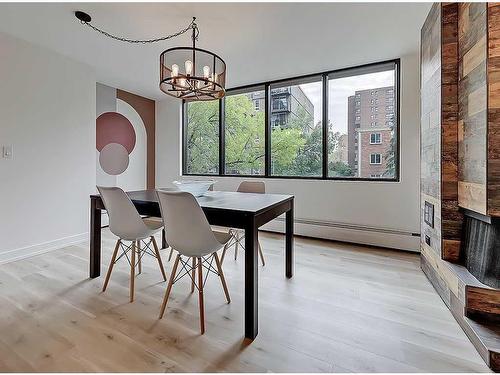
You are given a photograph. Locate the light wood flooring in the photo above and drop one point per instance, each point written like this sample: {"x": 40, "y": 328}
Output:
{"x": 348, "y": 309}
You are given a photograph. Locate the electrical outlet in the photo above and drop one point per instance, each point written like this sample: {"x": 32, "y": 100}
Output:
{"x": 427, "y": 240}
{"x": 7, "y": 152}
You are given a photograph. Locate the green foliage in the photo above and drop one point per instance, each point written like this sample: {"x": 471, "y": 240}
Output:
{"x": 296, "y": 148}
{"x": 203, "y": 137}
{"x": 244, "y": 136}
{"x": 338, "y": 168}
{"x": 390, "y": 159}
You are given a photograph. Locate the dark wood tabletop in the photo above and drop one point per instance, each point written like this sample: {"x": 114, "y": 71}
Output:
{"x": 224, "y": 200}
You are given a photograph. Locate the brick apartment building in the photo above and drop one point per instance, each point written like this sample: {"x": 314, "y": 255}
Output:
{"x": 370, "y": 127}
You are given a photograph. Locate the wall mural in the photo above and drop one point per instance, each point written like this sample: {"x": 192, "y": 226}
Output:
{"x": 125, "y": 139}
{"x": 115, "y": 140}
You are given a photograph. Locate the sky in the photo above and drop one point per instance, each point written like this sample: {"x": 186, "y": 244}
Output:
{"x": 339, "y": 90}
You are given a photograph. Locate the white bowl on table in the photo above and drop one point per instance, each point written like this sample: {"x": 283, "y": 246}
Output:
{"x": 195, "y": 187}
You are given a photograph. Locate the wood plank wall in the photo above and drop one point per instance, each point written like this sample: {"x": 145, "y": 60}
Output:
{"x": 451, "y": 217}
{"x": 456, "y": 125}
{"x": 430, "y": 87}
{"x": 493, "y": 166}
{"x": 479, "y": 107}
{"x": 472, "y": 38}
{"x": 439, "y": 130}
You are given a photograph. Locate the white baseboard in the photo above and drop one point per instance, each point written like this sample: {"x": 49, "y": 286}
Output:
{"x": 390, "y": 238}
{"x": 29, "y": 251}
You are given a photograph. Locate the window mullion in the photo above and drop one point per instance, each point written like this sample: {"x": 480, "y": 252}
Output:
{"x": 267, "y": 132}
{"x": 324, "y": 122}
{"x": 222, "y": 137}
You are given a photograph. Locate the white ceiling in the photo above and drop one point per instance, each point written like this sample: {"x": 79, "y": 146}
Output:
{"x": 258, "y": 41}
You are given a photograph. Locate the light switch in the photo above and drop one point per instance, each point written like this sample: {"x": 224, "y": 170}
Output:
{"x": 7, "y": 152}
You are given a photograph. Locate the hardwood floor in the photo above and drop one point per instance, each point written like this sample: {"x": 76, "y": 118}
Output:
{"x": 347, "y": 309}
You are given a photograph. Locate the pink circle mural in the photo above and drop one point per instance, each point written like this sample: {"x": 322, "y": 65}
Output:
{"x": 113, "y": 159}
{"x": 113, "y": 127}
{"x": 115, "y": 140}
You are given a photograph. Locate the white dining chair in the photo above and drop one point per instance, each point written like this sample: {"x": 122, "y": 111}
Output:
{"x": 238, "y": 235}
{"x": 190, "y": 234}
{"x": 126, "y": 223}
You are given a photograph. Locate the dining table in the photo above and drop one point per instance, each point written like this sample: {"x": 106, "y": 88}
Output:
{"x": 246, "y": 211}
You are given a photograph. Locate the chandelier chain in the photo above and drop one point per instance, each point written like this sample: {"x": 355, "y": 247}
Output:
{"x": 192, "y": 26}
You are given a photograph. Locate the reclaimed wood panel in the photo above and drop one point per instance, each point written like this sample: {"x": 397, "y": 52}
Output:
{"x": 493, "y": 109}
{"x": 431, "y": 62}
{"x": 457, "y": 295}
{"x": 483, "y": 300}
{"x": 472, "y": 111}
{"x": 451, "y": 218}
{"x": 439, "y": 141}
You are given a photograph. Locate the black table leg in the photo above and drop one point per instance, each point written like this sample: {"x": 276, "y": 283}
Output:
{"x": 289, "y": 262}
{"x": 251, "y": 280}
{"x": 95, "y": 239}
{"x": 164, "y": 244}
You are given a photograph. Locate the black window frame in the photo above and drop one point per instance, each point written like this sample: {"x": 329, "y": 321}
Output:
{"x": 268, "y": 126}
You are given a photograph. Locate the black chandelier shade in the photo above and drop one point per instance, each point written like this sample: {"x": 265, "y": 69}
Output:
{"x": 192, "y": 74}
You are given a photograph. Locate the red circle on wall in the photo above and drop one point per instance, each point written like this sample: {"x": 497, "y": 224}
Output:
{"x": 113, "y": 127}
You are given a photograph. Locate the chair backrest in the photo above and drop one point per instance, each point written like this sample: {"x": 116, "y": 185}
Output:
{"x": 252, "y": 187}
{"x": 124, "y": 220}
{"x": 188, "y": 229}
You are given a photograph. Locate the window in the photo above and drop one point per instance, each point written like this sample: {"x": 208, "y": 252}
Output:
{"x": 305, "y": 127}
{"x": 375, "y": 159}
{"x": 297, "y": 145}
{"x": 244, "y": 128}
{"x": 375, "y": 138}
{"x": 202, "y": 138}
{"x": 390, "y": 108}
{"x": 279, "y": 119}
{"x": 280, "y": 103}
{"x": 352, "y": 159}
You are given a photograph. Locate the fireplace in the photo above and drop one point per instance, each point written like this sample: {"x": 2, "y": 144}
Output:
{"x": 481, "y": 247}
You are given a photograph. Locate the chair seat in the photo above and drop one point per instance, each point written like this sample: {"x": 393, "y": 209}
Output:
{"x": 222, "y": 237}
{"x": 153, "y": 223}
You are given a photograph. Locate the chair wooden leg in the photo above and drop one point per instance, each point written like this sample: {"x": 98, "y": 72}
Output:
{"x": 222, "y": 279}
{"x": 171, "y": 252}
{"x": 200, "y": 296}
{"x": 139, "y": 260}
{"x": 223, "y": 253}
{"x": 193, "y": 274}
{"x": 111, "y": 264}
{"x": 158, "y": 258}
{"x": 132, "y": 271}
{"x": 261, "y": 254}
{"x": 169, "y": 287}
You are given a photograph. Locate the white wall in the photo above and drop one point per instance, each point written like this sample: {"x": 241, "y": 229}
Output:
{"x": 379, "y": 213}
{"x": 47, "y": 113}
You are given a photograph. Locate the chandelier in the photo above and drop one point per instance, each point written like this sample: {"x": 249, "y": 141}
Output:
{"x": 187, "y": 73}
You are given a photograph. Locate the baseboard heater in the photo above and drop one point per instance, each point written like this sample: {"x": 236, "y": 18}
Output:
{"x": 337, "y": 225}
